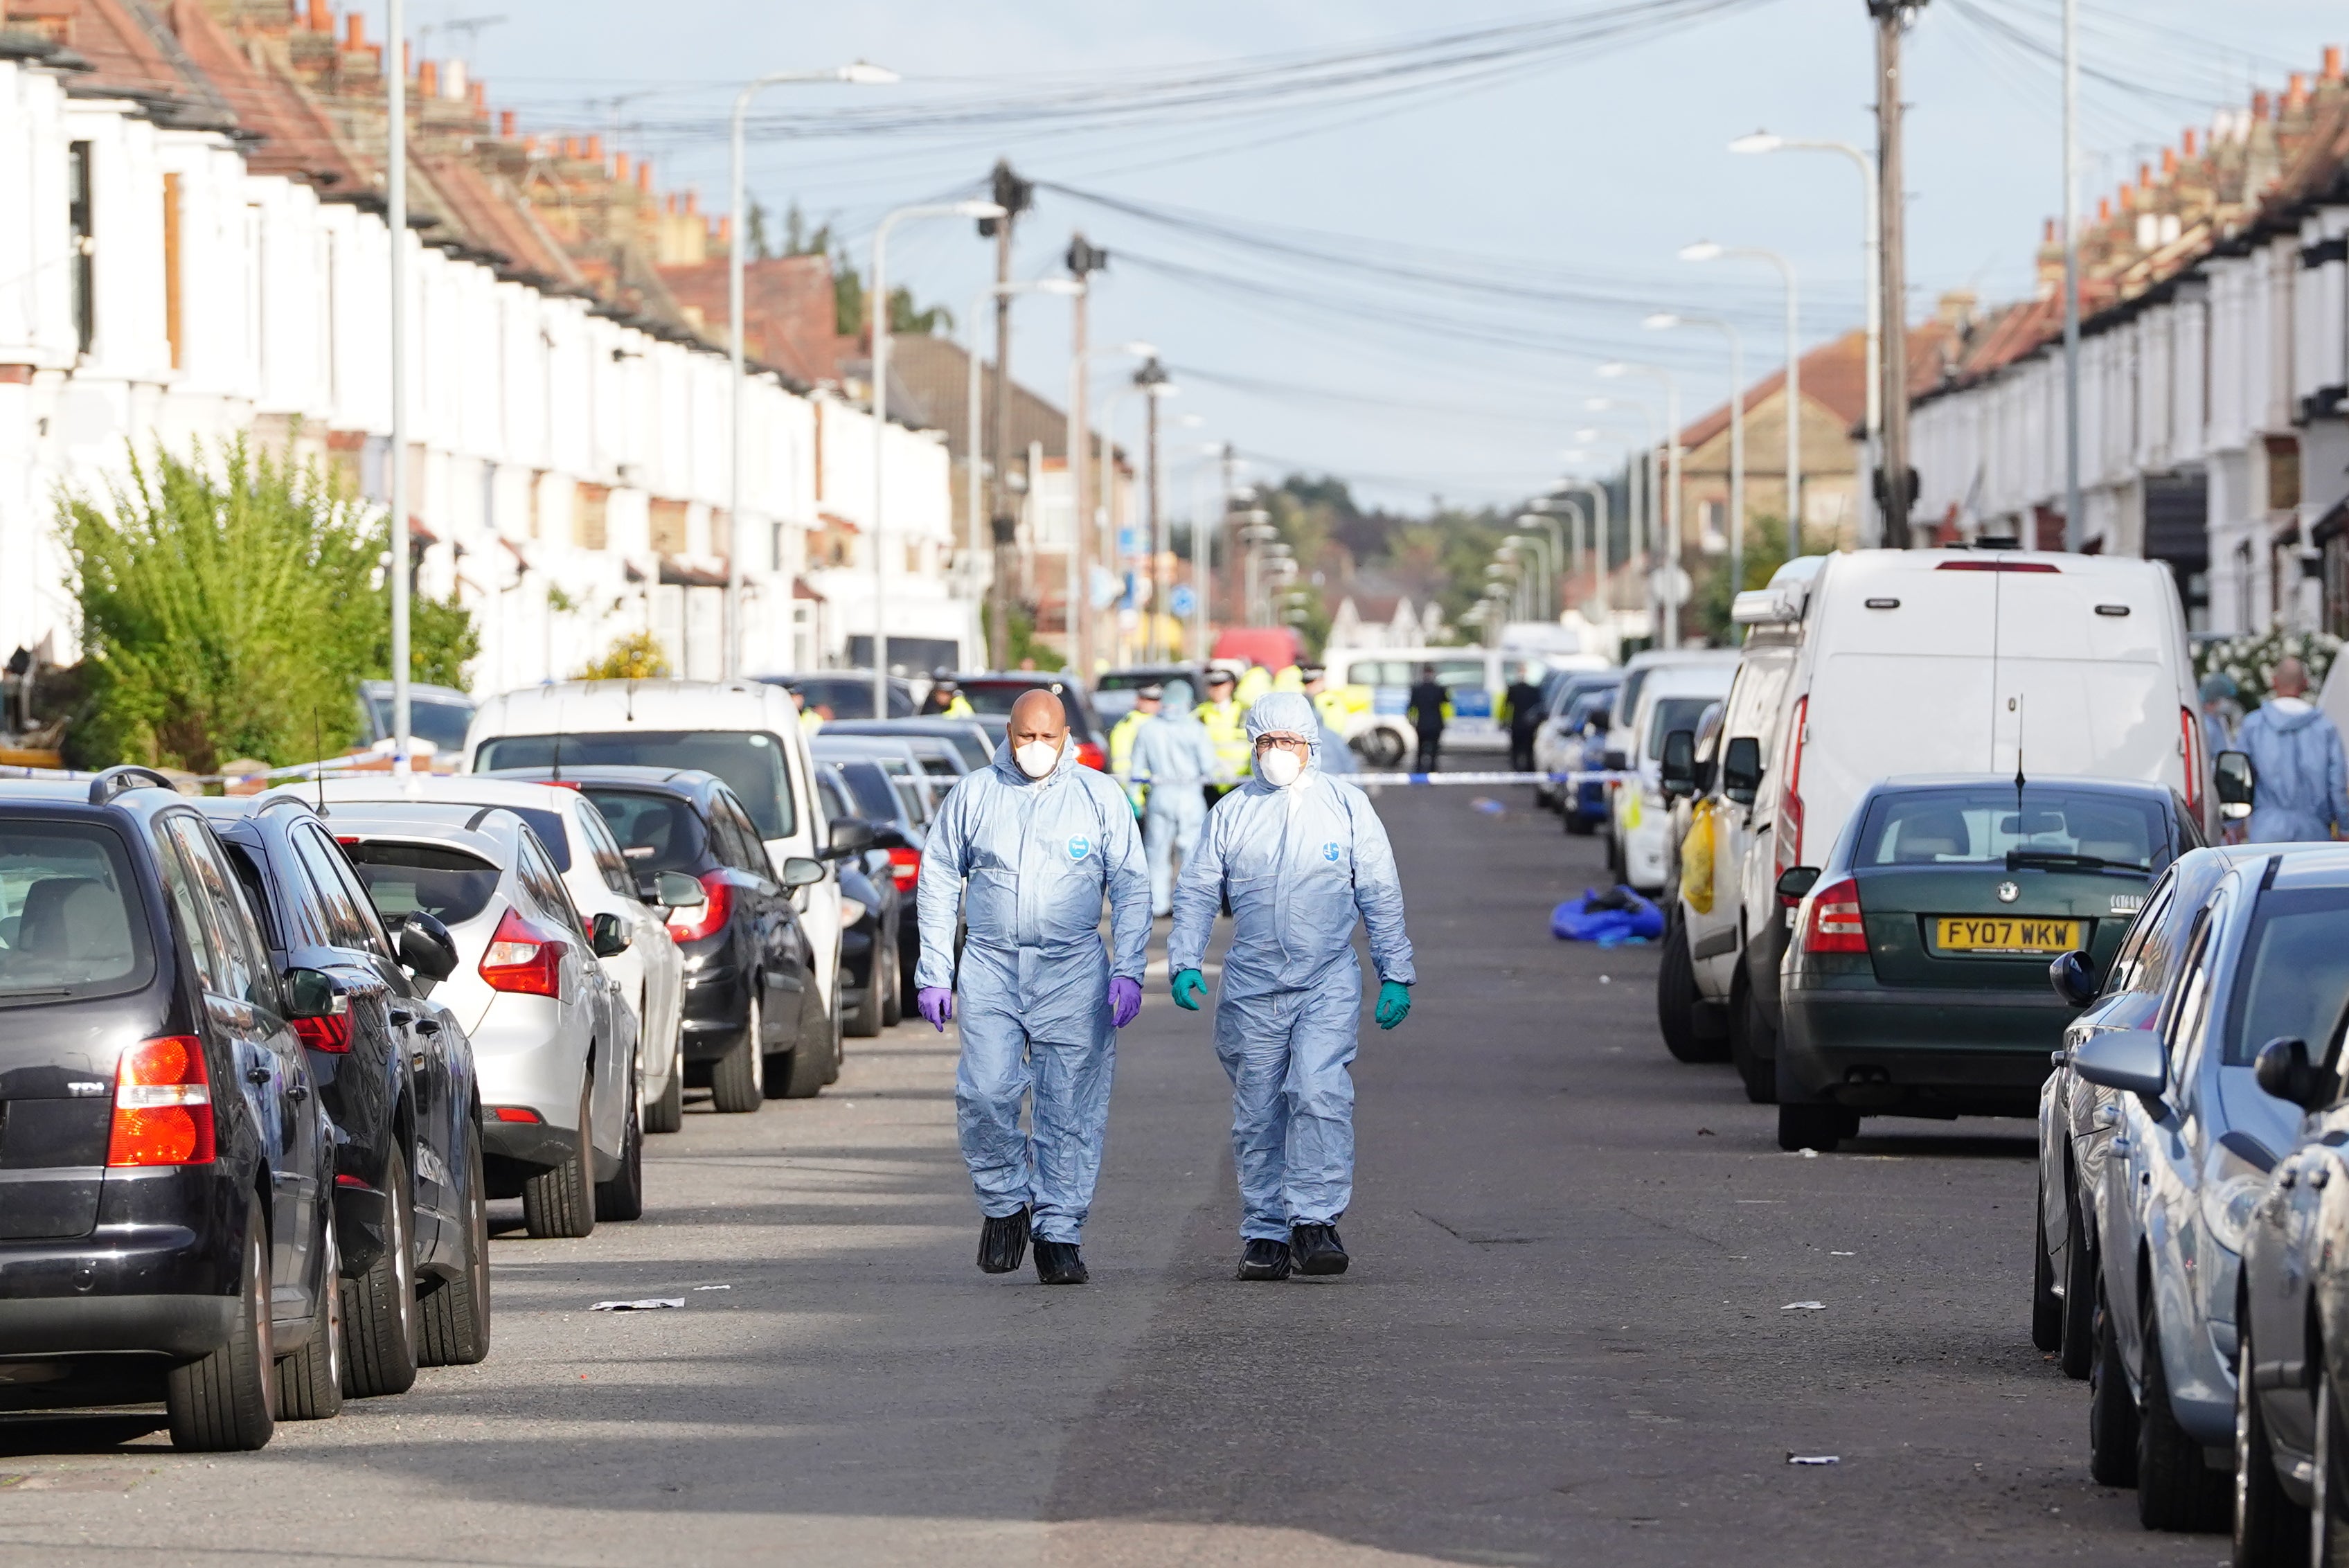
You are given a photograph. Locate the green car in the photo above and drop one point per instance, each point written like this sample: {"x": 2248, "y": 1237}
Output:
{"x": 1916, "y": 979}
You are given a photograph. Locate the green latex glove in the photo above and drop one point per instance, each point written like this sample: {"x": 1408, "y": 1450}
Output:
{"x": 1190, "y": 990}
{"x": 1394, "y": 1003}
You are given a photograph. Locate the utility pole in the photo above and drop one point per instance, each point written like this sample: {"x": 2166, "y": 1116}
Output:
{"x": 1014, "y": 196}
{"x": 2076, "y": 520}
{"x": 1083, "y": 260}
{"x": 1893, "y": 477}
{"x": 396, "y": 221}
{"x": 1151, "y": 522}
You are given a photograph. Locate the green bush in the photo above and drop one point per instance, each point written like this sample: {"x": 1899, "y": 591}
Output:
{"x": 634, "y": 657}
{"x": 234, "y": 613}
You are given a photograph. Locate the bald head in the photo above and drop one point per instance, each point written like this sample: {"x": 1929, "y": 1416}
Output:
{"x": 1038, "y": 716}
{"x": 2290, "y": 680}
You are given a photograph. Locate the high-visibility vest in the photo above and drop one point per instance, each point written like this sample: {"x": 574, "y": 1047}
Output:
{"x": 958, "y": 708}
{"x": 1290, "y": 678}
{"x": 1253, "y": 682}
{"x": 1333, "y": 708}
{"x": 1226, "y": 724}
{"x": 1121, "y": 752}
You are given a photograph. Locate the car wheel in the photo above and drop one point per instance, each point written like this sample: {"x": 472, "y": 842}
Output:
{"x": 1676, "y": 999}
{"x": 2112, "y": 1413}
{"x": 667, "y": 1114}
{"x": 1382, "y": 749}
{"x": 2046, "y": 1306}
{"x": 381, "y": 1304}
{"x": 1818, "y": 1127}
{"x": 562, "y": 1201}
{"x": 893, "y": 1001}
{"x": 2269, "y": 1526}
{"x": 224, "y": 1402}
{"x": 801, "y": 1073}
{"x": 2176, "y": 1488}
{"x": 623, "y": 1196}
{"x": 310, "y": 1381}
{"x": 734, "y": 1077}
{"x": 2079, "y": 1348}
{"x": 1753, "y": 1048}
{"x": 865, "y": 1021}
{"x": 456, "y": 1311}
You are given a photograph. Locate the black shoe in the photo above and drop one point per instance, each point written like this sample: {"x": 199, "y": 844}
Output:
{"x": 1262, "y": 1260}
{"x": 1317, "y": 1249}
{"x": 1058, "y": 1263}
{"x": 1002, "y": 1243}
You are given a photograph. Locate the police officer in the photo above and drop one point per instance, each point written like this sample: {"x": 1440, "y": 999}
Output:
{"x": 1226, "y": 717}
{"x": 1121, "y": 735}
{"x": 1524, "y": 704}
{"x": 946, "y": 699}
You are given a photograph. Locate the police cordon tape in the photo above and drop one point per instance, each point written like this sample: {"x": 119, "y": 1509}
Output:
{"x": 1571, "y": 780}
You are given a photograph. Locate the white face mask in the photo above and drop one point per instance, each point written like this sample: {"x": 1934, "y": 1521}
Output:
{"x": 1036, "y": 758}
{"x": 1280, "y": 768}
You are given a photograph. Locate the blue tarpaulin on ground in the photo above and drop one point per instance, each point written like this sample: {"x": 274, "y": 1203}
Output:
{"x": 1610, "y": 918}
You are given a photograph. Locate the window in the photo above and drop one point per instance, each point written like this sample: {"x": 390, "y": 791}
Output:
{"x": 82, "y": 224}
{"x": 235, "y": 962}
{"x": 739, "y": 841}
{"x": 1983, "y": 825}
{"x": 1675, "y": 714}
{"x": 605, "y": 850}
{"x": 371, "y": 936}
{"x": 2294, "y": 976}
{"x": 751, "y": 762}
{"x": 71, "y": 924}
{"x": 656, "y": 832}
{"x": 2143, "y": 962}
{"x": 345, "y": 928}
{"x": 545, "y": 888}
{"x": 450, "y": 884}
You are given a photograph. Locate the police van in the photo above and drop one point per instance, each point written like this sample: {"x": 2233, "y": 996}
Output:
{"x": 1378, "y": 681}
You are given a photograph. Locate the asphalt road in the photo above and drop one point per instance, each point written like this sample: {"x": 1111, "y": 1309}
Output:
{"x": 1564, "y": 1339}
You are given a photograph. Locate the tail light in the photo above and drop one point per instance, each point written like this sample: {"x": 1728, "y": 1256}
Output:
{"x": 514, "y": 1114}
{"x": 1789, "y": 826}
{"x": 162, "y": 1104}
{"x": 1998, "y": 567}
{"x": 905, "y": 868}
{"x": 1835, "y": 926}
{"x": 1092, "y": 756}
{"x": 522, "y": 958}
{"x": 2189, "y": 746}
{"x": 718, "y": 902}
{"x": 332, "y": 1032}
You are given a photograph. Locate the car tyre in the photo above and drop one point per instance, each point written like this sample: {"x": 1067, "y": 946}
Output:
{"x": 892, "y": 1006}
{"x": 2176, "y": 1490}
{"x": 2078, "y": 1353}
{"x": 623, "y": 1196}
{"x": 734, "y": 1077}
{"x": 801, "y": 1072}
{"x": 224, "y": 1403}
{"x": 2269, "y": 1528}
{"x": 310, "y": 1381}
{"x": 561, "y": 1202}
{"x": 1818, "y": 1127}
{"x": 2112, "y": 1413}
{"x": 456, "y": 1311}
{"x": 380, "y": 1305}
{"x": 1676, "y": 999}
{"x": 864, "y": 1019}
{"x": 2046, "y": 1306}
{"x": 1753, "y": 1048}
{"x": 667, "y": 1114}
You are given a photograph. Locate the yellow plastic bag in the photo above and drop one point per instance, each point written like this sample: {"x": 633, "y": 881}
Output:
{"x": 1696, "y": 860}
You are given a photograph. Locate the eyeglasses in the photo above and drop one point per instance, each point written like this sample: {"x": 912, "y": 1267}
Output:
{"x": 1286, "y": 742}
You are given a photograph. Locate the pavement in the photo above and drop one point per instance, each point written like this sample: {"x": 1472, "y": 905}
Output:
{"x": 1567, "y": 1337}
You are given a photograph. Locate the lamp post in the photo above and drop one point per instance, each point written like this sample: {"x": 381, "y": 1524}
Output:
{"x": 396, "y": 220}
{"x": 1664, "y": 320}
{"x": 1150, "y": 381}
{"x": 1873, "y": 260}
{"x": 1546, "y": 553}
{"x": 972, "y": 397}
{"x": 859, "y": 74}
{"x": 1538, "y": 514}
{"x": 880, "y": 302}
{"x": 1598, "y": 493}
{"x": 1665, "y": 587}
{"x": 1705, "y": 250}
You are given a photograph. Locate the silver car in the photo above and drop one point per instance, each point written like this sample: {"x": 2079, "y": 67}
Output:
{"x": 555, "y": 1040}
{"x": 2194, "y": 1139}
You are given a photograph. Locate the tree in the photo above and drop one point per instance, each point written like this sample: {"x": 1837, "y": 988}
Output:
{"x": 1766, "y": 552}
{"x": 754, "y": 233}
{"x": 638, "y": 656}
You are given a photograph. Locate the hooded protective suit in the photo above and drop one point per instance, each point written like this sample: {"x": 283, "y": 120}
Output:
{"x": 1176, "y": 758}
{"x": 2302, "y": 792}
{"x": 1038, "y": 856}
{"x": 1299, "y": 866}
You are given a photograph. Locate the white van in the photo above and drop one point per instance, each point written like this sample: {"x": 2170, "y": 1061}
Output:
{"x": 1968, "y": 661}
{"x": 1672, "y": 696}
{"x": 745, "y": 732}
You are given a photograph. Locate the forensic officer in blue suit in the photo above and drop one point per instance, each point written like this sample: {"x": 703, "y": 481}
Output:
{"x": 1299, "y": 856}
{"x": 1037, "y": 840}
{"x": 1175, "y": 756}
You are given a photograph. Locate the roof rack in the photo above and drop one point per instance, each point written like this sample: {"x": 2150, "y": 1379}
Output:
{"x": 127, "y": 776}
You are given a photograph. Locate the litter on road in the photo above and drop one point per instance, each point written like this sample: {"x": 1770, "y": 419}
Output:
{"x": 1814, "y": 1458}
{"x": 649, "y": 1303}
{"x": 1803, "y": 1306}
{"x": 1610, "y": 918}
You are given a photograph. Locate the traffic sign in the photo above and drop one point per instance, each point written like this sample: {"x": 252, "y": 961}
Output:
{"x": 1182, "y": 601}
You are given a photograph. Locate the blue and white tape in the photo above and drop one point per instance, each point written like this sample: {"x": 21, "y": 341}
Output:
{"x": 1569, "y": 780}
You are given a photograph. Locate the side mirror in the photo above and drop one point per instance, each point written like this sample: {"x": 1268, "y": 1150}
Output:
{"x": 849, "y": 835}
{"x": 1741, "y": 769}
{"x": 889, "y": 835}
{"x": 1614, "y": 762}
{"x": 2283, "y": 1070}
{"x": 310, "y": 994}
{"x": 1678, "y": 770}
{"x": 1795, "y": 882}
{"x": 426, "y": 949}
{"x": 2129, "y": 1059}
{"x": 2238, "y": 782}
{"x": 607, "y": 936}
{"x": 798, "y": 871}
{"x": 2074, "y": 978}
{"x": 676, "y": 890}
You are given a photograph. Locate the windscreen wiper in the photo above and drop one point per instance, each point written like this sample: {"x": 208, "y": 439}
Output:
{"x": 2054, "y": 860}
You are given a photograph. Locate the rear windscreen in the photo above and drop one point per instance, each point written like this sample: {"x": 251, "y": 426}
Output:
{"x": 71, "y": 921}
{"x": 848, "y": 696}
{"x": 656, "y": 832}
{"x": 2294, "y": 976}
{"x": 995, "y": 698}
{"x": 1977, "y": 825}
{"x": 876, "y": 798}
{"x": 749, "y": 761}
{"x": 450, "y": 884}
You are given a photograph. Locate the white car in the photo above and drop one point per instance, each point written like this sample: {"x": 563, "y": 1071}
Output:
{"x": 555, "y": 1043}
{"x": 1672, "y": 696}
{"x": 746, "y": 732}
{"x": 650, "y": 969}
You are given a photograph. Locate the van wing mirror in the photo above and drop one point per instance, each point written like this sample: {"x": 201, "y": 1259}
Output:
{"x": 1741, "y": 769}
{"x": 2127, "y": 1059}
{"x": 2238, "y": 782}
{"x": 2283, "y": 1070}
{"x": 2073, "y": 976}
{"x": 1678, "y": 770}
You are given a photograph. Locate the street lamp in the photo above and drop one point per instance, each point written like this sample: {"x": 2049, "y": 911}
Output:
{"x": 1546, "y": 555}
{"x": 1151, "y": 381}
{"x": 1706, "y": 250}
{"x": 1665, "y": 320}
{"x": 1872, "y": 258}
{"x": 880, "y": 302}
{"x": 1536, "y": 514}
{"x": 971, "y": 399}
{"x": 1598, "y": 493}
{"x": 1668, "y": 593}
{"x": 859, "y": 74}
{"x": 1651, "y": 505}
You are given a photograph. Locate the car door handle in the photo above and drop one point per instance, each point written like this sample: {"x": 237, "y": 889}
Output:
{"x": 428, "y": 1026}
{"x": 298, "y": 1092}
{"x": 400, "y": 1016}
{"x": 256, "y": 1075}
{"x": 2319, "y": 1176}
{"x": 2120, "y": 1143}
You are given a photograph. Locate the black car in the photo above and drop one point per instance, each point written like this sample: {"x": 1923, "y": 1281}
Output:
{"x": 844, "y": 694}
{"x": 395, "y": 1074}
{"x": 166, "y": 1233}
{"x": 900, "y": 820}
{"x": 968, "y": 736}
{"x": 755, "y": 1027}
{"x": 992, "y": 696}
{"x": 882, "y": 932}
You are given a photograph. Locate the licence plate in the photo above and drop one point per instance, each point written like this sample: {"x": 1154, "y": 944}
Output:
{"x": 2005, "y": 934}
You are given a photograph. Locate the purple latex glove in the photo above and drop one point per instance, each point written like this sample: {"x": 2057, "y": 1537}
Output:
{"x": 1124, "y": 1001}
{"x": 936, "y": 1004}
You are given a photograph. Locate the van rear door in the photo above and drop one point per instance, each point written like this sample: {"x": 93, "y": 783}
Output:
{"x": 2084, "y": 688}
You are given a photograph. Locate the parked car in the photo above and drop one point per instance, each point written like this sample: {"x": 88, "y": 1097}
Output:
{"x": 755, "y": 1028}
{"x": 1114, "y": 694}
{"x": 744, "y": 731}
{"x": 1672, "y": 698}
{"x": 847, "y": 694}
{"x": 991, "y": 697}
{"x": 2194, "y": 1144}
{"x": 1581, "y": 746}
{"x": 969, "y": 737}
{"x": 886, "y": 933}
{"x": 1557, "y": 744}
{"x": 1962, "y": 662}
{"x": 649, "y": 969}
{"x": 900, "y": 829}
{"x": 437, "y": 715}
{"x": 554, "y": 1042}
{"x": 167, "y": 1233}
{"x": 1917, "y": 984}
{"x": 1473, "y": 678}
{"x": 394, "y": 1071}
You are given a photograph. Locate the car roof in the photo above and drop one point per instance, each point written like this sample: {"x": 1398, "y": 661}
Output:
{"x": 598, "y": 706}
{"x": 610, "y": 773}
{"x": 419, "y": 689}
{"x": 456, "y": 789}
{"x": 492, "y": 834}
{"x": 1662, "y": 658}
{"x": 2309, "y": 865}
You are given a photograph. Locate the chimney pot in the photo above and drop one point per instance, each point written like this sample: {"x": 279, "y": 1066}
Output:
{"x": 2047, "y": 234}
{"x": 506, "y": 123}
{"x": 725, "y": 231}
{"x": 427, "y": 79}
{"x": 620, "y": 163}
{"x": 322, "y": 19}
{"x": 2104, "y": 209}
{"x": 2260, "y": 104}
{"x": 645, "y": 175}
{"x": 354, "y": 31}
{"x": 480, "y": 93}
{"x": 2333, "y": 62}
{"x": 669, "y": 204}
{"x": 2190, "y": 142}
{"x": 2295, "y": 90}
{"x": 2169, "y": 162}
{"x": 596, "y": 149}
{"x": 692, "y": 204}
{"x": 2145, "y": 176}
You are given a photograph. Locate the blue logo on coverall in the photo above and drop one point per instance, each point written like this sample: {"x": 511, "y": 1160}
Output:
{"x": 1079, "y": 847}
{"x": 1329, "y": 852}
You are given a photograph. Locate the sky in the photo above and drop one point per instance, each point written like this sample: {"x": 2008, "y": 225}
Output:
{"x": 1407, "y": 279}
